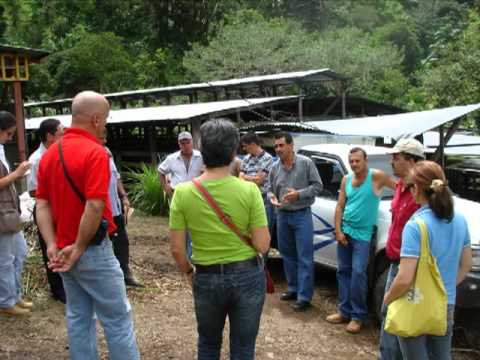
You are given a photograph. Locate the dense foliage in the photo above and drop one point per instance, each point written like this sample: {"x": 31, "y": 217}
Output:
{"x": 412, "y": 53}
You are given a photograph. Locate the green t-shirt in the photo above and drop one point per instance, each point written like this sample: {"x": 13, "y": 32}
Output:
{"x": 212, "y": 241}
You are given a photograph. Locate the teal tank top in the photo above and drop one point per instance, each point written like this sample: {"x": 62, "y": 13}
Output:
{"x": 361, "y": 209}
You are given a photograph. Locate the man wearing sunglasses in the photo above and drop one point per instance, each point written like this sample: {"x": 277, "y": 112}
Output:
{"x": 405, "y": 154}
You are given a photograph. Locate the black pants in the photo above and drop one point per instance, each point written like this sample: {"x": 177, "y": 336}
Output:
{"x": 54, "y": 279}
{"x": 120, "y": 245}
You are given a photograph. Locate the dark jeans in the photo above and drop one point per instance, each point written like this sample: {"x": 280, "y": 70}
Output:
{"x": 54, "y": 279}
{"x": 389, "y": 345}
{"x": 429, "y": 347}
{"x": 295, "y": 242}
{"x": 352, "y": 278}
{"x": 120, "y": 243}
{"x": 240, "y": 296}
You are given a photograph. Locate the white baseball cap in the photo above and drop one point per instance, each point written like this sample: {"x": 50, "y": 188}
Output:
{"x": 184, "y": 135}
{"x": 409, "y": 146}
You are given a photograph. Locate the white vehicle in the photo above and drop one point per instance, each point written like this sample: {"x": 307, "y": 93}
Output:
{"x": 332, "y": 164}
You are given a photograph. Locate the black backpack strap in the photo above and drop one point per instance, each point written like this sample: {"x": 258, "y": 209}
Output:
{"x": 65, "y": 171}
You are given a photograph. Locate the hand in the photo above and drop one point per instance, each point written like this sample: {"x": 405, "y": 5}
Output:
{"x": 291, "y": 196}
{"x": 22, "y": 168}
{"x": 274, "y": 201}
{"x": 66, "y": 258}
{"x": 126, "y": 207}
{"x": 52, "y": 252}
{"x": 341, "y": 238}
{"x": 168, "y": 190}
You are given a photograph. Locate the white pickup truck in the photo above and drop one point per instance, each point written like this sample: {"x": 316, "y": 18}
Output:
{"x": 332, "y": 164}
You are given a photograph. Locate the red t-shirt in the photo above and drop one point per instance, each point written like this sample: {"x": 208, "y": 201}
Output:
{"x": 403, "y": 207}
{"x": 87, "y": 163}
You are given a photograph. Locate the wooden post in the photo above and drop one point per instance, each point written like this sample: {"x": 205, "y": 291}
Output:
{"x": 196, "y": 123}
{"x": 17, "y": 90}
{"x": 300, "y": 104}
{"x": 439, "y": 154}
{"x": 152, "y": 144}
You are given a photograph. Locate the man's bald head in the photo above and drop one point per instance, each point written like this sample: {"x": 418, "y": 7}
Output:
{"x": 90, "y": 111}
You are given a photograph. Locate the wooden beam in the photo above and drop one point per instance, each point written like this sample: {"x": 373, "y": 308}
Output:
{"x": 17, "y": 91}
{"x": 196, "y": 123}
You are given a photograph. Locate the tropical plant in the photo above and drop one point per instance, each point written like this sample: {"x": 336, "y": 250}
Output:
{"x": 146, "y": 193}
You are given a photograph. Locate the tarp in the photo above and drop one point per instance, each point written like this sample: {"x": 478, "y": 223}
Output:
{"x": 396, "y": 126}
{"x": 170, "y": 112}
{"x": 459, "y": 144}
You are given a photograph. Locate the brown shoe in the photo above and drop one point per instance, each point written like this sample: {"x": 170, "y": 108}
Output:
{"x": 24, "y": 304}
{"x": 354, "y": 326}
{"x": 14, "y": 311}
{"x": 336, "y": 318}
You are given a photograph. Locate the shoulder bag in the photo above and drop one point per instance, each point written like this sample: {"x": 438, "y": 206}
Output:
{"x": 228, "y": 222}
{"x": 423, "y": 309}
{"x": 101, "y": 232}
{"x": 10, "y": 221}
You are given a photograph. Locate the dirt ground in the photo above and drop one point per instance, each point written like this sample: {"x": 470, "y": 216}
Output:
{"x": 164, "y": 319}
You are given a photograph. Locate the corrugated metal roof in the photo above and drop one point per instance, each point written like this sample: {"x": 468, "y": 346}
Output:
{"x": 395, "y": 126}
{"x": 318, "y": 75}
{"x": 172, "y": 112}
{"x": 34, "y": 54}
{"x": 279, "y": 124}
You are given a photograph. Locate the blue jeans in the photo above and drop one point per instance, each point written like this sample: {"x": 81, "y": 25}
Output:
{"x": 389, "y": 346}
{"x": 13, "y": 252}
{"x": 240, "y": 296}
{"x": 295, "y": 243}
{"x": 95, "y": 285}
{"x": 352, "y": 278}
{"x": 428, "y": 347}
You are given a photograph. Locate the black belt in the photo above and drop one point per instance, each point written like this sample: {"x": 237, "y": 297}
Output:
{"x": 228, "y": 268}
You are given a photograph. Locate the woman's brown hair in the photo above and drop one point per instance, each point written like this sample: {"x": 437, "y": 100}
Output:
{"x": 430, "y": 180}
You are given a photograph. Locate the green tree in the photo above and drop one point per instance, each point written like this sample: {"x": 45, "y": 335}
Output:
{"x": 454, "y": 78}
{"x": 252, "y": 45}
{"x": 97, "y": 61}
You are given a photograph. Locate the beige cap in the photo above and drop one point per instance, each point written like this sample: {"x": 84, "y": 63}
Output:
{"x": 409, "y": 146}
{"x": 184, "y": 135}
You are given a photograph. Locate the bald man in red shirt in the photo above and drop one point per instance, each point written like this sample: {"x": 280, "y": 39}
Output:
{"x": 75, "y": 219}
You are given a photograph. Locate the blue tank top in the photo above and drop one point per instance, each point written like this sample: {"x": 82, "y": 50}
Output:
{"x": 361, "y": 209}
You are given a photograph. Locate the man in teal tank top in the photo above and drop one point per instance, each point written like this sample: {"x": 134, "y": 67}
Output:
{"x": 355, "y": 218}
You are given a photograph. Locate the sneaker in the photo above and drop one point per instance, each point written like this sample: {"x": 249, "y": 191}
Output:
{"x": 14, "y": 311}
{"x": 354, "y": 326}
{"x": 24, "y": 304}
{"x": 336, "y": 318}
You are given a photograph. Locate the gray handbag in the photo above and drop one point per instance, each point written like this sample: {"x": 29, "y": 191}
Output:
{"x": 10, "y": 222}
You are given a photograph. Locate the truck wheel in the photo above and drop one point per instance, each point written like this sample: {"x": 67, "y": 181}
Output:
{"x": 378, "y": 293}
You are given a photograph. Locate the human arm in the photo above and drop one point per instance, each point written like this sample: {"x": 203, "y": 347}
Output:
{"x": 339, "y": 235}
{"x": 315, "y": 185}
{"x": 46, "y": 226}
{"x": 271, "y": 191}
{"x": 179, "y": 252}
{"x": 465, "y": 264}
{"x": 15, "y": 175}
{"x": 260, "y": 239}
{"x": 403, "y": 280}
{"x": 258, "y": 178}
{"x": 382, "y": 180}
{"x": 165, "y": 184}
{"x": 122, "y": 193}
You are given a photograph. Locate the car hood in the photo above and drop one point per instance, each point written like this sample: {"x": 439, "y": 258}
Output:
{"x": 471, "y": 210}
